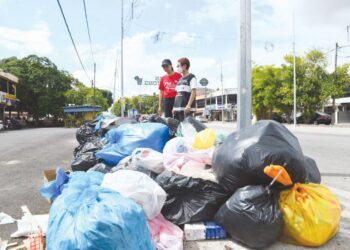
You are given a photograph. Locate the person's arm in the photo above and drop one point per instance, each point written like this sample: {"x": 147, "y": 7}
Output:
{"x": 193, "y": 85}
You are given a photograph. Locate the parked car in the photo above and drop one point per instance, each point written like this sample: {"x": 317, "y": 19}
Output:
{"x": 279, "y": 118}
{"x": 318, "y": 118}
{"x": 322, "y": 118}
{"x": 202, "y": 119}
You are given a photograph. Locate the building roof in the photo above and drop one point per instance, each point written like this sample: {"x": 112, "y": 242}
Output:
{"x": 229, "y": 91}
{"x": 8, "y": 76}
{"x": 81, "y": 108}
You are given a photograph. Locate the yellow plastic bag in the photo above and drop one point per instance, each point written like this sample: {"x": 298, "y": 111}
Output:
{"x": 311, "y": 214}
{"x": 204, "y": 139}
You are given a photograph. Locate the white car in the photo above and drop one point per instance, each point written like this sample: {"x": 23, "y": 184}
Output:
{"x": 202, "y": 119}
{"x": 2, "y": 127}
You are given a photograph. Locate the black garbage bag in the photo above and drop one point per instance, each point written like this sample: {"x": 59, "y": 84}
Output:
{"x": 154, "y": 118}
{"x": 252, "y": 216}
{"x": 85, "y": 133}
{"x": 84, "y": 162}
{"x": 190, "y": 199}
{"x": 100, "y": 167}
{"x": 312, "y": 172}
{"x": 189, "y": 120}
{"x": 90, "y": 146}
{"x": 172, "y": 124}
{"x": 241, "y": 159}
{"x": 115, "y": 124}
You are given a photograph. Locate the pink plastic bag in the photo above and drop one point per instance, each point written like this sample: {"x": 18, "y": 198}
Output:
{"x": 165, "y": 235}
{"x": 177, "y": 154}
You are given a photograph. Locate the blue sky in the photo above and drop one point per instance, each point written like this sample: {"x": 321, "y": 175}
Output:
{"x": 205, "y": 31}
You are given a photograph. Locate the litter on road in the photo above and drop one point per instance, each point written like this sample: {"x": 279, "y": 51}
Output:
{"x": 155, "y": 183}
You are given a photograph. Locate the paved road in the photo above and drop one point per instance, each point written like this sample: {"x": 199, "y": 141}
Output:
{"x": 24, "y": 155}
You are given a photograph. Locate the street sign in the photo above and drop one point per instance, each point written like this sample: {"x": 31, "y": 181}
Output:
{"x": 204, "y": 82}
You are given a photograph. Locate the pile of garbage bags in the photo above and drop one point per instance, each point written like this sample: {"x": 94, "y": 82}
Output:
{"x": 136, "y": 184}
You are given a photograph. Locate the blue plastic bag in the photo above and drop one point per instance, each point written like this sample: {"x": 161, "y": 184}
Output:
{"x": 127, "y": 137}
{"x": 54, "y": 188}
{"x": 88, "y": 216}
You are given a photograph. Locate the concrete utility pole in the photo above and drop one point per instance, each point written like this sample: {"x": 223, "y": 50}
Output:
{"x": 94, "y": 86}
{"x": 294, "y": 73}
{"x": 222, "y": 94}
{"x": 335, "y": 78}
{"x": 121, "y": 58}
{"x": 244, "y": 70}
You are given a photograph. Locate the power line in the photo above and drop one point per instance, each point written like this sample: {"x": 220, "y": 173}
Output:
{"x": 71, "y": 37}
{"x": 88, "y": 30}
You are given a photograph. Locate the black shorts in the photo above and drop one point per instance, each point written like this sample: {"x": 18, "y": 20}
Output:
{"x": 168, "y": 104}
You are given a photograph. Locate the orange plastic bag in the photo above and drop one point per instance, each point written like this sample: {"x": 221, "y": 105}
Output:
{"x": 311, "y": 212}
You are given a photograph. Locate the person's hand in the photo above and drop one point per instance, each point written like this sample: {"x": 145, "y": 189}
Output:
{"x": 159, "y": 110}
{"x": 187, "y": 109}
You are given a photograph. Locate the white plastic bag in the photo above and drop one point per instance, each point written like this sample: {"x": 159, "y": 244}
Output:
{"x": 165, "y": 235}
{"x": 138, "y": 187}
{"x": 149, "y": 159}
{"x": 177, "y": 153}
{"x": 27, "y": 225}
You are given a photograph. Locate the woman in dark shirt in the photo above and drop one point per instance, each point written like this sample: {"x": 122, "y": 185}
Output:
{"x": 184, "y": 104}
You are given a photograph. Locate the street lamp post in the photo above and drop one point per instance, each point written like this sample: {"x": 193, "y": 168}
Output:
{"x": 244, "y": 70}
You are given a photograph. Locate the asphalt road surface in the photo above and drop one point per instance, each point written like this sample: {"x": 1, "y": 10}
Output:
{"x": 24, "y": 154}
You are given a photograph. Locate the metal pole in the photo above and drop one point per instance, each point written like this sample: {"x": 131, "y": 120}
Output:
{"x": 347, "y": 29}
{"x": 222, "y": 96}
{"x": 244, "y": 69}
{"x": 121, "y": 57}
{"x": 294, "y": 73}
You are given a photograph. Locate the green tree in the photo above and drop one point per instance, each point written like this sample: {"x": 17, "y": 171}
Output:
{"x": 108, "y": 95}
{"x": 82, "y": 95}
{"x": 41, "y": 85}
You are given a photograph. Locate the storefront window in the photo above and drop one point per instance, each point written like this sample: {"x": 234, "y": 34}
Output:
{"x": 12, "y": 89}
{"x": 3, "y": 85}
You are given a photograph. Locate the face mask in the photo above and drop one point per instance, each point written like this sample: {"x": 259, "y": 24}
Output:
{"x": 179, "y": 69}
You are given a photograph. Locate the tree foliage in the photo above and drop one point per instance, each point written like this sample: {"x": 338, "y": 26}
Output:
{"x": 145, "y": 104}
{"x": 41, "y": 85}
{"x": 273, "y": 85}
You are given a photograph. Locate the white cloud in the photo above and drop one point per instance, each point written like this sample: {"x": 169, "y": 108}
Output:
{"x": 35, "y": 40}
{"x": 218, "y": 11}
{"x": 183, "y": 38}
{"x": 138, "y": 61}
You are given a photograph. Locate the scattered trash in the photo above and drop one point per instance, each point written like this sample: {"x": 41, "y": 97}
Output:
{"x": 204, "y": 139}
{"x": 31, "y": 224}
{"x": 101, "y": 167}
{"x": 177, "y": 153}
{"x": 252, "y": 216}
{"x": 204, "y": 231}
{"x": 148, "y": 159}
{"x": 52, "y": 189}
{"x": 138, "y": 187}
{"x": 85, "y": 133}
{"x": 88, "y": 216}
{"x": 190, "y": 199}
{"x": 6, "y": 219}
{"x": 165, "y": 235}
{"x": 240, "y": 160}
{"x": 84, "y": 162}
{"x": 126, "y": 138}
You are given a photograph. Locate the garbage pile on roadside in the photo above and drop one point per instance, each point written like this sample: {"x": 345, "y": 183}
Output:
{"x": 152, "y": 183}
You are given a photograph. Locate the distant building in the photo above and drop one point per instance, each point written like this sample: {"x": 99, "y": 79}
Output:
{"x": 8, "y": 93}
{"x": 342, "y": 114}
{"x": 80, "y": 113}
{"x": 211, "y": 103}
